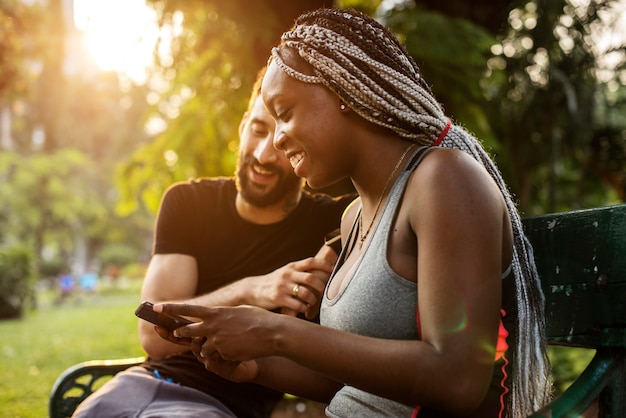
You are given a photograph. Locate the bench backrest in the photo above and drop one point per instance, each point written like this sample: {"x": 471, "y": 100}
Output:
{"x": 581, "y": 259}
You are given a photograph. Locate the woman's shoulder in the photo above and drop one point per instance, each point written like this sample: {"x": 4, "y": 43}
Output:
{"x": 450, "y": 160}
{"x": 448, "y": 176}
{"x": 447, "y": 165}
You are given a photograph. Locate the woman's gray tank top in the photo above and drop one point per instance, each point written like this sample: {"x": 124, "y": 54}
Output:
{"x": 376, "y": 302}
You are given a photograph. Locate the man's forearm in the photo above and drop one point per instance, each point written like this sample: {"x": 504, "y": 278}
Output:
{"x": 240, "y": 292}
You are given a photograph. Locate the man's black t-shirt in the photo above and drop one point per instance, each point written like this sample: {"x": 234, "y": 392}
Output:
{"x": 198, "y": 218}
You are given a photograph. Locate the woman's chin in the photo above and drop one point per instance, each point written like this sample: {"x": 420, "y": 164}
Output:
{"x": 317, "y": 183}
{"x": 313, "y": 184}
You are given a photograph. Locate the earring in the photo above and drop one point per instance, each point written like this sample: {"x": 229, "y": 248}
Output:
{"x": 342, "y": 106}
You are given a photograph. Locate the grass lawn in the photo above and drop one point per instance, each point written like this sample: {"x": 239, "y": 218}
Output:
{"x": 36, "y": 349}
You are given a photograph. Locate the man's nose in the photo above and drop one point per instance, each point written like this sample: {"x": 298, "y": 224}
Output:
{"x": 265, "y": 151}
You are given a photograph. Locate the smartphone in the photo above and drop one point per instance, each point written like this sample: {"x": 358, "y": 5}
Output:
{"x": 167, "y": 321}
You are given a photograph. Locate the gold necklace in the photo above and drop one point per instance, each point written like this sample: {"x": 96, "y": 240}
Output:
{"x": 362, "y": 236}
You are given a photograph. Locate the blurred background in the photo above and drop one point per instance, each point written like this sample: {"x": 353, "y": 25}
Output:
{"x": 105, "y": 103}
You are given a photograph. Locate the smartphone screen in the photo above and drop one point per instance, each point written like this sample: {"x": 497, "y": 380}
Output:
{"x": 170, "y": 322}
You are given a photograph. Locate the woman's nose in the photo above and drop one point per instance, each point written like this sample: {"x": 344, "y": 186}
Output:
{"x": 279, "y": 140}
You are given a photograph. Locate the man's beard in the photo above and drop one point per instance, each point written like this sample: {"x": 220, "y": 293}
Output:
{"x": 288, "y": 184}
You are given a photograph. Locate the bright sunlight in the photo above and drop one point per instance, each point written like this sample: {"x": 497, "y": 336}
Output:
{"x": 119, "y": 34}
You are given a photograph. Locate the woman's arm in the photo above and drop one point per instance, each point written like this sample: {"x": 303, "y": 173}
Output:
{"x": 287, "y": 376}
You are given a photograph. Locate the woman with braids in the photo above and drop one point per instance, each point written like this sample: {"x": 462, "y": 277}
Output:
{"x": 434, "y": 308}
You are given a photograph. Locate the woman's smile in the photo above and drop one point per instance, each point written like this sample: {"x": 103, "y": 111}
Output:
{"x": 296, "y": 158}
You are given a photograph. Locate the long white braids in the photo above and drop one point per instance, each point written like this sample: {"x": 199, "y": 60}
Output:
{"x": 367, "y": 67}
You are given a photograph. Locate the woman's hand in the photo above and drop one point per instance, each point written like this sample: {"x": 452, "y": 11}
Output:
{"x": 227, "y": 340}
{"x": 236, "y": 371}
{"x": 232, "y": 370}
{"x": 235, "y": 333}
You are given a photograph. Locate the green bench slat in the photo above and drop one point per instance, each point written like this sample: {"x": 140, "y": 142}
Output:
{"x": 581, "y": 259}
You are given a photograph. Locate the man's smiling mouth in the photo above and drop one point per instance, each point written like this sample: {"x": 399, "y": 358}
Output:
{"x": 262, "y": 171}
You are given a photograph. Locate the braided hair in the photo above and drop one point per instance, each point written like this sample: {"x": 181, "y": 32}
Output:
{"x": 366, "y": 66}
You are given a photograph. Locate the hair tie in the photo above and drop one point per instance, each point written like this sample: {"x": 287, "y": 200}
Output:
{"x": 443, "y": 134}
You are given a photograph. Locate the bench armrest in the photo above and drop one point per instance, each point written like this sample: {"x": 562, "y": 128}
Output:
{"x": 587, "y": 388}
{"x": 78, "y": 382}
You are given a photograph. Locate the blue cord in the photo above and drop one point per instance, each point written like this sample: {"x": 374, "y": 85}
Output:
{"x": 158, "y": 376}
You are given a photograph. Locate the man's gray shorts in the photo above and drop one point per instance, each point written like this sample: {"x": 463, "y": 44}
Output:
{"x": 137, "y": 393}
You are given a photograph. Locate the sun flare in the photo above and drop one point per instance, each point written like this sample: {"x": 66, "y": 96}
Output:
{"x": 119, "y": 35}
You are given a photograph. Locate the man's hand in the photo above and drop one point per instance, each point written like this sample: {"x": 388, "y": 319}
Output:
{"x": 312, "y": 296}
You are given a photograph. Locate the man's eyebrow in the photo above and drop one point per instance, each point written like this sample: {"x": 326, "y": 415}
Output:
{"x": 258, "y": 120}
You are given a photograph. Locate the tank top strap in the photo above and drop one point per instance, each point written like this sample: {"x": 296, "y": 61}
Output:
{"x": 414, "y": 160}
{"x": 395, "y": 197}
{"x": 417, "y": 156}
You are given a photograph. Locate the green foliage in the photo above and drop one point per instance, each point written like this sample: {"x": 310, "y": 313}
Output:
{"x": 134, "y": 271}
{"x": 368, "y": 7}
{"x": 567, "y": 364}
{"x": 118, "y": 255}
{"x": 48, "y": 194}
{"x": 18, "y": 31}
{"x": 51, "y": 201}
{"x": 545, "y": 108}
{"x": 17, "y": 280}
{"x": 50, "y": 269}
{"x": 530, "y": 96}
{"x": 68, "y": 132}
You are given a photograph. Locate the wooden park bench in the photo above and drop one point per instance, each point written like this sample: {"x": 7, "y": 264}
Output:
{"x": 581, "y": 258}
